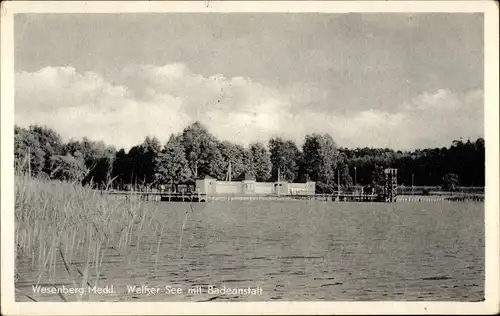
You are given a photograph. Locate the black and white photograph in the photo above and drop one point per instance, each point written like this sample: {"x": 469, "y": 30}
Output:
{"x": 195, "y": 153}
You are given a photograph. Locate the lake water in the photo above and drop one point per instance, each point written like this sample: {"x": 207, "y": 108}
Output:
{"x": 305, "y": 251}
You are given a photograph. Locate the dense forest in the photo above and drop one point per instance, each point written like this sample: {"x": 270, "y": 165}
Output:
{"x": 195, "y": 153}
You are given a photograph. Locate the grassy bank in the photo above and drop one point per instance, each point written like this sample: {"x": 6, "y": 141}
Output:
{"x": 66, "y": 229}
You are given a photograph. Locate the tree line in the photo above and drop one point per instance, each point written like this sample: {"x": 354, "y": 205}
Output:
{"x": 195, "y": 153}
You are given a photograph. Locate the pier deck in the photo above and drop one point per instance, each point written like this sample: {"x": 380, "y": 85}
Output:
{"x": 198, "y": 197}
{"x": 335, "y": 197}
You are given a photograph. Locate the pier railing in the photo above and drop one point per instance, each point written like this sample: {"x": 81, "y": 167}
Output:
{"x": 336, "y": 196}
{"x": 199, "y": 197}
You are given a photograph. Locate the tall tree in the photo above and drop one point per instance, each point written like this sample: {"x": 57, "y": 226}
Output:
{"x": 28, "y": 153}
{"x": 284, "y": 155}
{"x": 171, "y": 164}
{"x": 150, "y": 149}
{"x": 122, "y": 168}
{"x": 202, "y": 152}
{"x": 342, "y": 171}
{"x": 50, "y": 142}
{"x": 320, "y": 158}
{"x": 49, "y": 139}
{"x": 97, "y": 157}
{"x": 143, "y": 160}
{"x": 260, "y": 162}
{"x": 234, "y": 154}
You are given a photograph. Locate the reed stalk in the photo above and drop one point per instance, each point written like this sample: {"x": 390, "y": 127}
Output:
{"x": 64, "y": 227}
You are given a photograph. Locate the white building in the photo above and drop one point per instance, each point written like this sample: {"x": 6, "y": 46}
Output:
{"x": 249, "y": 186}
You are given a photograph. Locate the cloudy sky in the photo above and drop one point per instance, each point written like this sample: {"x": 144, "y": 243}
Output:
{"x": 383, "y": 80}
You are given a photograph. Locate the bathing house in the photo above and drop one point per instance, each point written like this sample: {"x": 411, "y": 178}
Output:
{"x": 247, "y": 185}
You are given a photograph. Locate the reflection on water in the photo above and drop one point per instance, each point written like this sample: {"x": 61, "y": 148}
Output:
{"x": 299, "y": 251}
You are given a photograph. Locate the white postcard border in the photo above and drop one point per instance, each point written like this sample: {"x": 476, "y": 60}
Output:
{"x": 492, "y": 237}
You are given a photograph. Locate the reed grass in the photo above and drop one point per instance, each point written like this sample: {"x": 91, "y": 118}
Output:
{"x": 64, "y": 230}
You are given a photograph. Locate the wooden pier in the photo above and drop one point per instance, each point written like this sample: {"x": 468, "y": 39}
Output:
{"x": 389, "y": 195}
{"x": 335, "y": 197}
{"x": 296, "y": 197}
{"x": 156, "y": 196}
{"x": 198, "y": 197}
